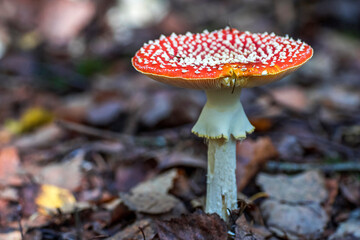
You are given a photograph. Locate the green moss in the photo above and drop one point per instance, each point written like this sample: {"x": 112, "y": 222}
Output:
{"x": 89, "y": 67}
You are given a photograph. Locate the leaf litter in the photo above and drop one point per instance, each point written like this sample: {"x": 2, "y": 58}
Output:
{"x": 117, "y": 147}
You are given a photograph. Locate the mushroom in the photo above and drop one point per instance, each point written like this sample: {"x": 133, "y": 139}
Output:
{"x": 222, "y": 63}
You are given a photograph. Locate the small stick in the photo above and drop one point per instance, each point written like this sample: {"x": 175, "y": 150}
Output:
{"x": 78, "y": 225}
{"x": 142, "y": 232}
{"x": 95, "y": 132}
{"x": 297, "y": 167}
{"x": 19, "y": 222}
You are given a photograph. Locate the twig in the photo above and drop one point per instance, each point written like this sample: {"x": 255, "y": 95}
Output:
{"x": 91, "y": 131}
{"x": 297, "y": 167}
{"x": 78, "y": 225}
{"x": 142, "y": 232}
{"x": 19, "y": 223}
{"x": 349, "y": 152}
{"x": 127, "y": 139}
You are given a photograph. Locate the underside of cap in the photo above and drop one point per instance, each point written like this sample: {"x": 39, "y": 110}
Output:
{"x": 230, "y": 80}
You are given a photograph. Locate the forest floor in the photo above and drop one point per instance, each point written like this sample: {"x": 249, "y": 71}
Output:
{"x": 91, "y": 149}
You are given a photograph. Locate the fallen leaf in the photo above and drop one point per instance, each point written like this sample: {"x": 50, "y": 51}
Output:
{"x": 195, "y": 226}
{"x": 291, "y": 96}
{"x": 9, "y": 167}
{"x": 9, "y": 194}
{"x": 124, "y": 16}
{"x": 244, "y": 230}
{"x": 27, "y": 196}
{"x": 66, "y": 174}
{"x": 350, "y": 229}
{"x": 184, "y": 187}
{"x": 61, "y": 20}
{"x": 350, "y": 188}
{"x": 347, "y": 230}
{"x": 117, "y": 209}
{"x": 339, "y": 97}
{"x": 261, "y": 124}
{"x": 150, "y": 202}
{"x": 181, "y": 159}
{"x": 32, "y": 118}
{"x": 152, "y": 196}
{"x": 74, "y": 108}
{"x": 251, "y": 156}
{"x": 160, "y": 184}
{"x": 129, "y": 175}
{"x": 104, "y": 113}
{"x": 294, "y": 222}
{"x": 5, "y": 136}
{"x": 290, "y": 148}
{"x": 301, "y": 188}
{"x": 351, "y": 135}
{"x": 15, "y": 235}
{"x": 332, "y": 187}
{"x": 51, "y": 198}
{"x": 42, "y": 137}
{"x": 133, "y": 232}
{"x": 157, "y": 108}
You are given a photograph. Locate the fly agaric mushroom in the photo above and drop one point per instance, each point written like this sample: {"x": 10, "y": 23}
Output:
{"x": 221, "y": 62}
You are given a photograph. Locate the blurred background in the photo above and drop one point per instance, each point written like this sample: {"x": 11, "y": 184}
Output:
{"x": 76, "y": 116}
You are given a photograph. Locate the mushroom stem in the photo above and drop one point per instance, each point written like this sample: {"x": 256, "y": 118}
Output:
{"x": 221, "y": 179}
{"x": 223, "y": 116}
{"x": 222, "y": 121}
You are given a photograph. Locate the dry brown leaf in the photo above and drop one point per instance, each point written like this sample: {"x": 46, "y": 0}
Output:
{"x": 61, "y": 20}
{"x": 261, "y": 124}
{"x": 295, "y": 222}
{"x": 181, "y": 159}
{"x": 133, "y": 232}
{"x": 66, "y": 174}
{"x": 15, "y": 235}
{"x": 41, "y": 137}
{"x": 74, "y": 108}
{"x": 292, "y": 97}
{"x": 117, "y": 209}
{"x": 300, "y": 188}
{"x": 9, "y": 167}
{"x": 160, "y": 184}
{"x": 195, "y": 226}
{"x": 152, "y": 196}
{"x": 128, "y": 175}
{"x": 5, "y": 136}
{"x": 9, "y": 193}
{"x": 251, "y": 156}
{"x": 350, "y": 188}
{"x": 150, "y": 202}
{"x": 350, "y": 229}
{"x": 332, "y": 186}
{"x": 244, "y": 231}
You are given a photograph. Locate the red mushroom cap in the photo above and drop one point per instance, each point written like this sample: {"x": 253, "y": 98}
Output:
{"x": 207, "y": 60}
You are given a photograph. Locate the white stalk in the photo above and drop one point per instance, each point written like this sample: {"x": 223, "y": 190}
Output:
{"x": 222, "y": 121}
{"x": 221, "y": 179}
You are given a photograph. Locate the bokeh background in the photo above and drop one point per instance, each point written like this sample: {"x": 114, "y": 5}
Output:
{"x": 76, "y": 116}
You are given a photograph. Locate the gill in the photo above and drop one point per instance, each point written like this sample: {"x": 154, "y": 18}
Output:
{"x": 234, "y": 79}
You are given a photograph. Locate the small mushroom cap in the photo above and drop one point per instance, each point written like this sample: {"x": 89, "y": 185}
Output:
{"x": 221, "y": 59}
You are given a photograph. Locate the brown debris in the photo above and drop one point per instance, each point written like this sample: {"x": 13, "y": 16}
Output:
{"x": 251, "y": 156}
{"x": 9, "y": 167}
{"x": 196, "y": 226}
